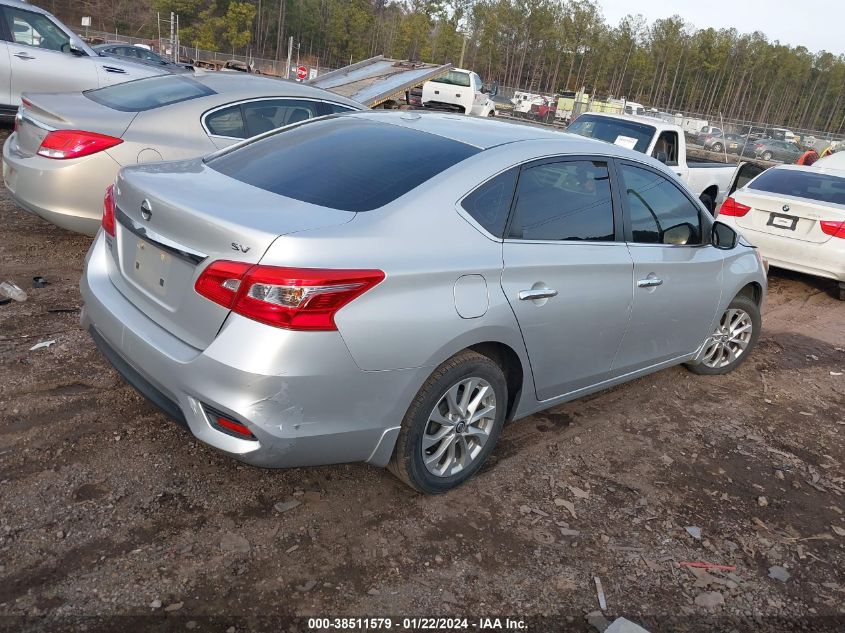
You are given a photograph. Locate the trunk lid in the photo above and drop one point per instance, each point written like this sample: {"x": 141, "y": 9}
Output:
{"x": 39, "y": 113}
{"x": 787, "y": 216}
{"x": 191, "y": 216}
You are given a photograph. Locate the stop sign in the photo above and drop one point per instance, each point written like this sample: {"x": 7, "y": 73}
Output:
{"x": 301, "y": 72}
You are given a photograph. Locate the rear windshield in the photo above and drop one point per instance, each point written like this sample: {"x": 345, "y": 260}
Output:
{"x": 149, "y": 93}
{"x": 801, "y": 184}
{"x": 454, "y": 78}
{"x": 630, "y": 134}
{"x": 343, "y": 162}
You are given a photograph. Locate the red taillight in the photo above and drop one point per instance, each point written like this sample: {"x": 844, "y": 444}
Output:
{"x": 290, "y": 298}
{"x": 235, "y": 427}
{"x": 734, "y": 208}
{"x": 108, "y": 210}
{"x": 64, "y": 144}
{"x": 220, "y": 282}
{"x": 836, "y": 229}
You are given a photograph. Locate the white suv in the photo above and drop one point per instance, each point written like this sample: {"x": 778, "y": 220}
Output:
{"x": 40, "y": 54}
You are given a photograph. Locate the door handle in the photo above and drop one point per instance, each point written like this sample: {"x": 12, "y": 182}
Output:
{"x": 23, "y": 56}
{"x": 649, "y": 282}
{"x": 536, "y": 293}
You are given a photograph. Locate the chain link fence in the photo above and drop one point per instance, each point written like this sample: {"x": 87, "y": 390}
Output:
{"x": 202, "y": 58}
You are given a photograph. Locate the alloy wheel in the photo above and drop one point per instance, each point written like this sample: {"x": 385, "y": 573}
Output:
{"x": 730, "y": 339}
{"x": 458, "y": 427}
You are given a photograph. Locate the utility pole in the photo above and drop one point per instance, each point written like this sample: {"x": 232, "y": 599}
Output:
{"x": 176, "y": 48}
{"x": 290, "y": 54}
{"x": 463, "y": 50}
{"x": 172, "y": 24}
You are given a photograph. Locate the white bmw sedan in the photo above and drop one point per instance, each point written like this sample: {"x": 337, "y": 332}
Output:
{"x": 795, "y": 215}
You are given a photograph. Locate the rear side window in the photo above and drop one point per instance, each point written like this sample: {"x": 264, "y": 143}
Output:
{"x": 149, "y": 93}
{"x": 659, "y": 212}
{"x": 564, "y": 201}
{"x": 490, "y": 203}
{"x": 226, "y": 122}
{"x": 343, "y": 163}
{"x": 801, "y": 184}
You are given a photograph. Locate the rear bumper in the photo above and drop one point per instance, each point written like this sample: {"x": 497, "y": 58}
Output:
{"x": 826, "y": 259}
{"x": 67, "y": 193}
{"x": 300, "y": 393}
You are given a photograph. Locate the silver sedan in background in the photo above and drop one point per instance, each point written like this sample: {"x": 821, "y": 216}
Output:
{"x": 67, "y": 148}
{"x": 392, "y": 287}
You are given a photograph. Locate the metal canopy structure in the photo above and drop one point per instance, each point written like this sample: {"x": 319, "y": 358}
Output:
{"x": 373, "y": 81}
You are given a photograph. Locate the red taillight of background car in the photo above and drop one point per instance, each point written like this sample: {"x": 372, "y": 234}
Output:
{"x": 108, "y": 211}
{"x": 64, "y": 144}
{"x": 290, "y": 298}
{"x": 733, "y": 208}
{"x": 836, "y": 229}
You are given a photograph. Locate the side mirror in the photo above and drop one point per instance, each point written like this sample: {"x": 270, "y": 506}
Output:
{"x": 663, "y": 157}
{"x": 494, "y": 89}
{"x": 75, "y": 50}
{"x": 723, "y": 237}
{"x": 484, "y": 89}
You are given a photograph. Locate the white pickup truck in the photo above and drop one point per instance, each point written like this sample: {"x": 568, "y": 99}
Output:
{"x": 664, "y": 141}
{"x": 460, "y": 90}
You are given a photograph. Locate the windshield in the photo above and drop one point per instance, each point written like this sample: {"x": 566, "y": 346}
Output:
{"x": 630, "y": 134}
{"x": 801, "y": 184}
{"x": 454, "y": 78}
{"x": 149, "y": 93}
{"x": 361, "y": 165}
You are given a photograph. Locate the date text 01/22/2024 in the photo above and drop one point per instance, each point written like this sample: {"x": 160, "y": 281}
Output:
{"x": 434, "y": 624}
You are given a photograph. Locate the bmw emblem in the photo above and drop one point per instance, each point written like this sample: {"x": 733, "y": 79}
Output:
{"x": 786, "y": 208}
{"x": 146, "y": 210}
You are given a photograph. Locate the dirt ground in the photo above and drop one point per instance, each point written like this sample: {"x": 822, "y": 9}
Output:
{"x": 112, "y": 517}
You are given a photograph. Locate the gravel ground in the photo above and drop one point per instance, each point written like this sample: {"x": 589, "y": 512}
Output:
{"x": 112, "y": 517}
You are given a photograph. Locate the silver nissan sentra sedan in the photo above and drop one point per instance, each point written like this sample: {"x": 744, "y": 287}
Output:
{"x": 67, "y": 148}
{"x": 392, "y": 287}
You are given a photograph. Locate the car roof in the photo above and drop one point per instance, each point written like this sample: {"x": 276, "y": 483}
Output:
{"x": 234, "y": 86}
{"x": 485, "y": 133}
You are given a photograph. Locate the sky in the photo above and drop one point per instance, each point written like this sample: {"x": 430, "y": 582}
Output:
{"x": 815, "y": 24}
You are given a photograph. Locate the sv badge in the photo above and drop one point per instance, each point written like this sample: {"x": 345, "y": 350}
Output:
{"x": 240, "y": 247}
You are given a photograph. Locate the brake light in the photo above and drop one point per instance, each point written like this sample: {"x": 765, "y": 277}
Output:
{"x": 108, "y": 210}
{"x": 836, "y": 229}
{"x": 64, "y": 144}
{"x": 290, "y": 298}
{"x": 733, "y": 208}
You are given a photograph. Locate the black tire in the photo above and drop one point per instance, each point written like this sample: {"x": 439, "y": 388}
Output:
{"x": 767, "y": 156}
{"x": 708, "y": 202}
{"x": 840, "y": 291}
{"x": 746, "y": 304}
{"x": 407, "y": 461}
{"x": 718, "y": 147}
{"x": 491, "y": 113}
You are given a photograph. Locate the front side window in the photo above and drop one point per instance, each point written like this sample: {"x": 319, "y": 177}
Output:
{"x": 566, "y": 201}
{"x": 35, "y": 29}
{"x": 490, "y": 203}
{"x": 660, "y": 213}
{"x": 336, "y": 108}
{"x": 263, "y": 116}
